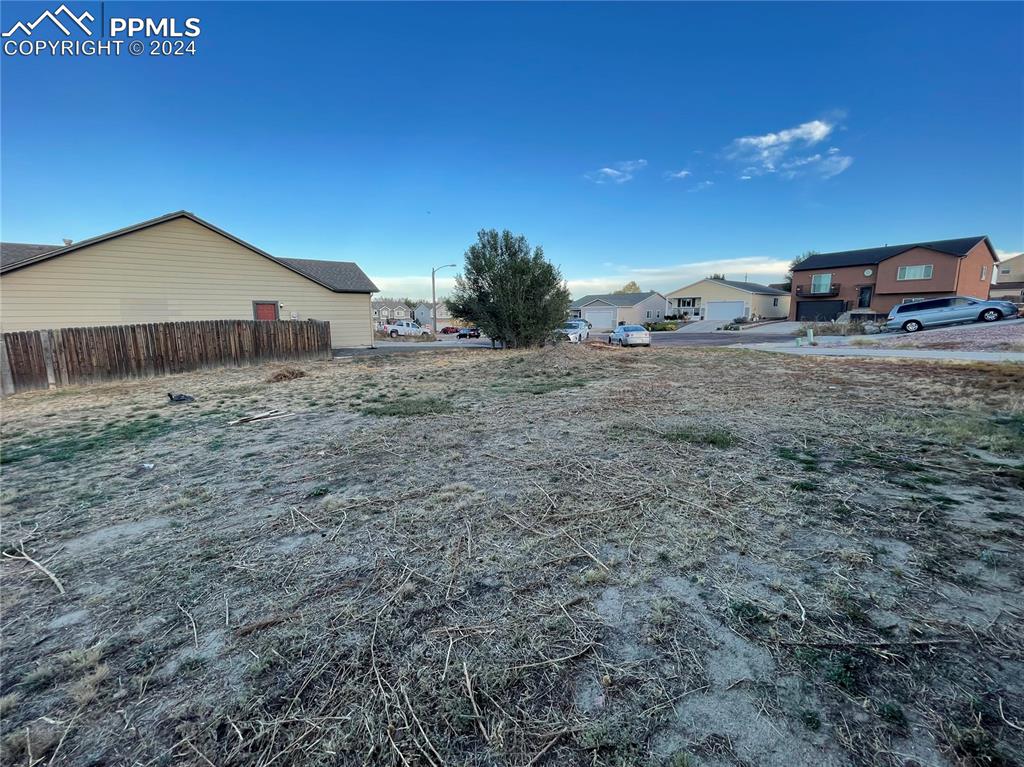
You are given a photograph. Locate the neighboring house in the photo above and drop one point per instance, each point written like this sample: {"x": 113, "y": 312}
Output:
{"x": 1010, "y": 279}
{"x": 424, "y": 318}
{"x": 177, "y": 268}
{"x": 872, "y": 281}
{"x": 385, "y": 310}
{"x": 607, "y": 311}
{"x": 717, "y": 299}
{"x": 1011, "y": 269}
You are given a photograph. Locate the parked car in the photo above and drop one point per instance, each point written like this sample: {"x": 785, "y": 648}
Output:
{"x": 630, "y": 335}
{"x": 405, "y": 328}
{"x": 581, "y": 325}
{"x": 571, "y": 332}
{"x": 588, "y": 323}
{"x": 915, "y": 315}
{"x": 468, "y": 333}
{"x": 449, "y": 330}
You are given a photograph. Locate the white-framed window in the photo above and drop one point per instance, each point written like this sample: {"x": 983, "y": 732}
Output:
{"x": 775, "y": 301}
{"x": 921, "y": 272}
{"x": 984, "y": 273}
{"x": 821, "y": 283}
{"x": 1004, "y": 271}
{"x": 648, "y": 314}
{"x": 399, "y": 312}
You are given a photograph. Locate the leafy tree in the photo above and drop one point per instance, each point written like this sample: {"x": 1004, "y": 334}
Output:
{"x": 629, "y": 287}
{"x": 513, "y": 295}
{"x": 797, "y": 260}
{"x": 716, "y": 276}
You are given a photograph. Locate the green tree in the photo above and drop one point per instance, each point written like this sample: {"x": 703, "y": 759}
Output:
{"x": 629, "y": 287}
{"x": 513, "y": 294}
{"x": 797, "y": 260}
{"x": 716, "y": 276}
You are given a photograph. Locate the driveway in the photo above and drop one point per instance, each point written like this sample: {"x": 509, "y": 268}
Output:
{"x": 723, "y": 338}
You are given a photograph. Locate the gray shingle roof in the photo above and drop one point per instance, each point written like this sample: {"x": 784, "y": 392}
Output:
{"x": 12, "y": 253}
{"x": 751, "y": 287}
{"x": 339, "y": 276}
{"x": 615, "y": 299}
{"x": 957, "y": 247}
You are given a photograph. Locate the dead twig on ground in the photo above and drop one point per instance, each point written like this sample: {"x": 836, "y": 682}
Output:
{"x": 37, "y": 565}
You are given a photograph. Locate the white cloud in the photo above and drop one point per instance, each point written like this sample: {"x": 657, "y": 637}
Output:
{"x": 701, "y": 185}
{"x": 415, "y": 286}
{"x": 779, "y": 153}
{"x": 618, "y": 173}
{"x": 676, "y": 174}
{"x": 668, "y": 278}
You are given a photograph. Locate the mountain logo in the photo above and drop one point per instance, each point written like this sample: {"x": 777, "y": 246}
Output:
{"x": 62, "y": 13}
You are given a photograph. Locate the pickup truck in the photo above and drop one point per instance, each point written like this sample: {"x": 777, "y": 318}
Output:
{"x": 405, "y": 328}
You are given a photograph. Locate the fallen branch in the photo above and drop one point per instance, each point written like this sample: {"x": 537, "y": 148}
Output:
{"x": 32, "y": 562}
{"x": 472, "y": 700}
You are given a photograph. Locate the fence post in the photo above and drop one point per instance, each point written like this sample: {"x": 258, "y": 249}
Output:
{"x": 44, "y": 342}
{"x": 6, "y": 379}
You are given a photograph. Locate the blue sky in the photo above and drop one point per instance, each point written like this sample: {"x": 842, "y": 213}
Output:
{"x": 656, "y": 142}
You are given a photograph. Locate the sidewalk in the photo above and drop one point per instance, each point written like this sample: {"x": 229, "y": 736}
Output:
{"x": 860, "y": 351}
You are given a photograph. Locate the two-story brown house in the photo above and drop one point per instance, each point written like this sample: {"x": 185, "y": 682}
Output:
{"x": 873, "y": 280}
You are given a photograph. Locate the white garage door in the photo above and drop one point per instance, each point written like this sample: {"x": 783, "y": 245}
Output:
{"x": 723, "y": 310}
{"x": 601, "y": 319}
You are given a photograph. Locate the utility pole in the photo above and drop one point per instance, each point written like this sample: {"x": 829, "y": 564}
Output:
{"x": 433, "y": 295}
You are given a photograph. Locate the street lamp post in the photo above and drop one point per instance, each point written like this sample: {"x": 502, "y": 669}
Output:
{"x": 433, "y": 295}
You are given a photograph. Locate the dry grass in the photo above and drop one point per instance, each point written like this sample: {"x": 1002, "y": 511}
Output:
{"x": 576, "y": 556}
{"x": 286, "y": 374}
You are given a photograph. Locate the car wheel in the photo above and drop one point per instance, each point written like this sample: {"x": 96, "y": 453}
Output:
{"x": 912, "y": 326}
{"x": 991, "y": 315}
{"x": 393, "y": 334}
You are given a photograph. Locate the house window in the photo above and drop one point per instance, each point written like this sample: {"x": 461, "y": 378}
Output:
{"x": 922, "y": 272}
{"x": 775, "y": 302}
{"x": 648, "y": 314}
{"x": 821, "y": 283}
{"x": 984, "y": 273}
{"x": 1004, "y": 271}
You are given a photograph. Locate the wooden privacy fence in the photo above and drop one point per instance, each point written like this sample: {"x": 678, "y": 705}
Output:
{"x": 41, "y": 359}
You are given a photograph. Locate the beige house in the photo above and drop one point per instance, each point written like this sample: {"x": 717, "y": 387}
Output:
{"x": 607, "y": 311}
{"x": 723, "y": 300}
{"x": 1010, "y": 279}
{"x": 177, "y": 268}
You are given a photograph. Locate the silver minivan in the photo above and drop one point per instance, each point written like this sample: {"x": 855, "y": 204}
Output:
{"x": 915, "y": 315}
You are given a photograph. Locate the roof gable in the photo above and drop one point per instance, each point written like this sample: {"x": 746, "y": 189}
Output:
{"x": 311, "y": 269}
{"x": 13, "y": 253}
{"x": 615, "y": 299}
{"x": 958, "y": 247}
{"x": 746, "y": 287}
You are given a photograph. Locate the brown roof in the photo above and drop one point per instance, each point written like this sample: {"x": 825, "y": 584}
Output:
{"x": 337, "y": 276}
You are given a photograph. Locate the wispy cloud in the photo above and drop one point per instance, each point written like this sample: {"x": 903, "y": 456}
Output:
{"x": 786, "y": 153}
{"x": 677, "y": 174}
{"x": 668, "y": 278}
{"x": 701, "y": 185}
{"x": 617, "y": 173}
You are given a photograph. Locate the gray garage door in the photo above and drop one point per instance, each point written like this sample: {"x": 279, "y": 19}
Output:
{"x": 819, "y": 310}
{"x": 601, "y": 319}
{"x": 723, "y": 310}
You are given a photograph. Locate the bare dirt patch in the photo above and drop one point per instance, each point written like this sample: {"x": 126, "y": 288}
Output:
{"x": 564, "y": 557}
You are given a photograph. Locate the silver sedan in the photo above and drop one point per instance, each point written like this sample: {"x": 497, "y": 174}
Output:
{"x": 630, "y": 335}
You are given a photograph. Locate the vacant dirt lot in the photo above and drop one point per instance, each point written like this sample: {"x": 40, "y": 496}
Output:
{"x": 568, "y": 557}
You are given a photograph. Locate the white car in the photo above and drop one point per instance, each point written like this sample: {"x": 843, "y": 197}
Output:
{"x": 571, "y": 332}
{"x": 630, "y": 335}
{"x": 578, "y": 328}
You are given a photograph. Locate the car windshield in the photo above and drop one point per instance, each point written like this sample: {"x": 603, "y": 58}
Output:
{"x": 633, "y": 328}
{"x": 568, "y": 326}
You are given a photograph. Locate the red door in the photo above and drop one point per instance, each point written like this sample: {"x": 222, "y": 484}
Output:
{"x": 264, "y": 310}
